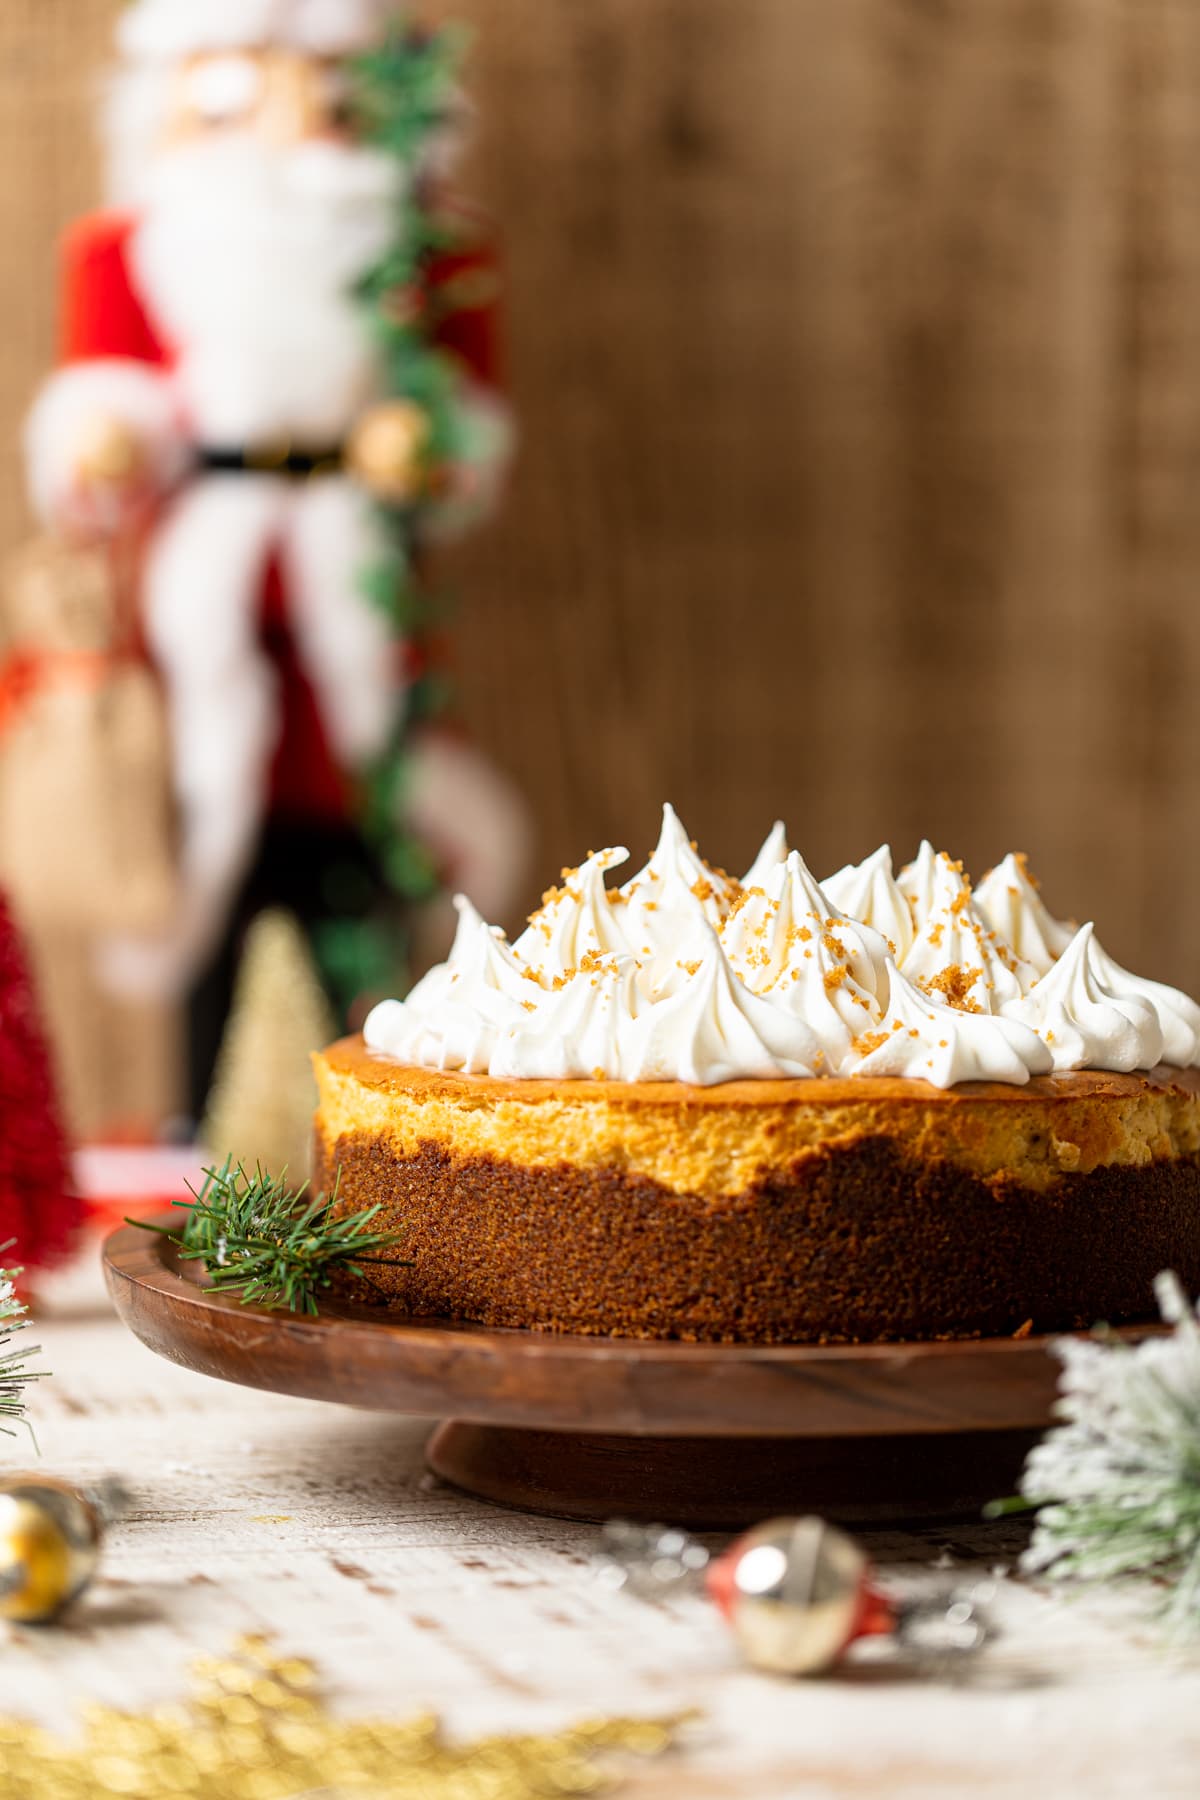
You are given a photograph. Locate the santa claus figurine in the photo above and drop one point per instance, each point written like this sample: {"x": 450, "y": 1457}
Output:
{"x": 223, "y": 404}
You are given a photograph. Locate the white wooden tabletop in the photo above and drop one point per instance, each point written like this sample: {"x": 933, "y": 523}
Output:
{"x": 320, "y": 1526}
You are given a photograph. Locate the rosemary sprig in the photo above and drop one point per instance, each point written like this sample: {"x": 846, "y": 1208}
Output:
{"x": 15, "y": 1376}
{"x": 256, "y": 1233}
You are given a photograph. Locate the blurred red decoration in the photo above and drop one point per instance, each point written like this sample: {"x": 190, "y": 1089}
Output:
{"x": 39, "y": 1211}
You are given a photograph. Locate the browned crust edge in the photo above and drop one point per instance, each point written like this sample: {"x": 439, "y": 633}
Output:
{"x": 385, "y": 1074}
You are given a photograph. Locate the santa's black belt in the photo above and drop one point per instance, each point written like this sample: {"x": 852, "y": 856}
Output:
{"x": 268, "y": 459}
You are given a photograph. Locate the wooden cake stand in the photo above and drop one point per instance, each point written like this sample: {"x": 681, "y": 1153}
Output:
{"x": 700, "y": 1434}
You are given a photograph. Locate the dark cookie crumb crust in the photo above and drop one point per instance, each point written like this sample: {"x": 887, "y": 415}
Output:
{"x": 856, "y": 1243}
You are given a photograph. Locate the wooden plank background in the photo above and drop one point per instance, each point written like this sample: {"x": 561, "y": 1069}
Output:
{"x": 857, "y": 350}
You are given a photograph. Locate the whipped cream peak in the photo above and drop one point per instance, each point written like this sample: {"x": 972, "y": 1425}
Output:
{"x": 484, "y": 953}
{"x": 916, "y": 881}
{"x": 1009, "y": 900}
{"x": 666, "y": 906}
{"x": 1178, "y": 1013}
{"x": 574, "y": 921}
{"x": 773, "y": 852}
{"x": 713, "y": 1028}
{"x": 869, "y": 891}
{"x": 919, "y": 1038}
{"x": 846, "y": 941}
{"x": 1085, "y": 1024}
{"x": 457, "y": 1016}
{"x": 955, "y": 956}
{"x": 790, "y": 945}
{"x": 677, "y": 869}
{"x": 685, "y": 974}
{"x": 583, "y": 1030}
{"x": 479, "y": 955}
{"x": 468, "y": 930}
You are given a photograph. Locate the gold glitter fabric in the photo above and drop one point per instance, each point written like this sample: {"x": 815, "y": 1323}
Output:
{"x": 255, "y": 1729}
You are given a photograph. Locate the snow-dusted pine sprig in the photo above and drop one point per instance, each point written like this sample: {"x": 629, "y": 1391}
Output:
{"x": 1117, "y": 1483}
{"x": 14, "y": 1374}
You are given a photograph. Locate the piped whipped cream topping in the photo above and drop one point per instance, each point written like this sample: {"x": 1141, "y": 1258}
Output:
{"x": 685, "y": 974}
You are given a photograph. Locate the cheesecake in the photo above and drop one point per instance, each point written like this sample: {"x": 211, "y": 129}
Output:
{"x": 775, "y": 1110}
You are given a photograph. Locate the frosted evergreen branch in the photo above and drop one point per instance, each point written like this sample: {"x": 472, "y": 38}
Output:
{"x": 1117, "y": 1481}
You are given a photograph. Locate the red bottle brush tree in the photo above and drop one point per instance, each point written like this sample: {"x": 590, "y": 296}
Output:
{"x": 39, "y": 1211}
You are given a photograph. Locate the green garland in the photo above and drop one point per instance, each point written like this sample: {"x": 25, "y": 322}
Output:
{"x": 403, "y": 93}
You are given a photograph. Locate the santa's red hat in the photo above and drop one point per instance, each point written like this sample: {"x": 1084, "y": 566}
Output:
{"x": 164, "y": 29}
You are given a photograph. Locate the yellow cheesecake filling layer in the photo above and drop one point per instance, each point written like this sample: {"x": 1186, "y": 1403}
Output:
{"x": 719, "y": 1141}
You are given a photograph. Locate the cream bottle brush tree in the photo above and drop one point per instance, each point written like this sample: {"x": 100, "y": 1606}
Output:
{"x": 262, "y": 1100}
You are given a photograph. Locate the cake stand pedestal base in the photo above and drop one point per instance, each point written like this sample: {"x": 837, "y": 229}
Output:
{"x": 724, "y": 1483}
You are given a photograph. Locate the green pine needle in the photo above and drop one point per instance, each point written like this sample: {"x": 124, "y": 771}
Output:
{"x": 15, "y": 1376}
{"x": 257, "y": 1234}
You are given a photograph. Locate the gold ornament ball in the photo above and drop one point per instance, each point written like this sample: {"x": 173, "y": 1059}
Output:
{"x": 792, "y": 1593}
{"x": 50, "y": 1538}
{"x": 387, "y": 449}
{"x": 107, "y": 453}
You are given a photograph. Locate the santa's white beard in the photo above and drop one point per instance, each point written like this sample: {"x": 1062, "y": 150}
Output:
{"x": 247, "y": 256}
